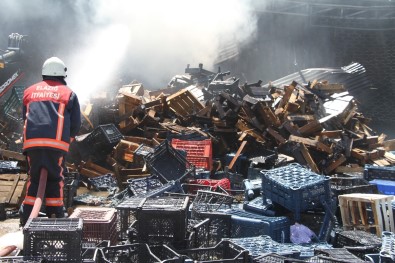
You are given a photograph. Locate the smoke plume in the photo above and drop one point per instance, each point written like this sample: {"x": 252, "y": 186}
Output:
{"x": 109, "y": 43}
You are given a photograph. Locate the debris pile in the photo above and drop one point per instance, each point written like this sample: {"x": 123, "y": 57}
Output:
{"x": 209, "y": 168}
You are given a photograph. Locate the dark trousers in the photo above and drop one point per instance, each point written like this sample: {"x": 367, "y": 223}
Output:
{"x": 54, "y": 162}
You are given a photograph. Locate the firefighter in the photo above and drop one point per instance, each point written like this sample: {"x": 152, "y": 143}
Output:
{"x": 51, "y": 115}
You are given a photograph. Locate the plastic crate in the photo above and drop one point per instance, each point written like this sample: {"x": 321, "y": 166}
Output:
{"x": 208, "y": 201}
{"x": 258, "y": 206}
{"x": 132, "y": 253}
{"x": 162, "y": 221}
{"x": 224, "y": 251}
{"x": 387, "y": 252}
{"x": 103, "y": 182}
{"x": 325, "y": 259}
{"x": 296, "y": 188}
{"x": 199, "y": 153}
{"x": 341, "y": 254}
{"x": 379, "y": 172}
{"x": 278, "y": 228}
{"x": 9, "y": 167}
{"x": 54, "y": 239}
{"x": 219, "y": 226}
{"x": 13, "y": 106}
{"x": 126, "y": 211}
{"x": 195, "y": 184}
{"x": 386, "y": 187}
{"x": 90, "y": 251}
{"x": 21, "y": 259}
{"x": 275, "y": 258}
{"x": 356, "y": 238}
{"x": 99, "y": 224}
{"x": 143, "y": 185}
{"x": 140, "y": 153}
{"x": 71, "y": 182}
{"x": 261, "y": 245}
{"x": 169, "y": 163}
{"x": 102, "y": 139}
{"x": 247, "y": 227}
{"x": 198, "y": 233}
{"x": 349, "y": 185}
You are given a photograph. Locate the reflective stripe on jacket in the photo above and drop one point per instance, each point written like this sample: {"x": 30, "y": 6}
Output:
{"x": 51, "y": 116}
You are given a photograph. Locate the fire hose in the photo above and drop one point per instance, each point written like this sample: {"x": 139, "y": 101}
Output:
{"x": 36, "y": 207}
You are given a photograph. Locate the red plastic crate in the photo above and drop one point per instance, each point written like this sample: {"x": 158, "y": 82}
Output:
{"x": 199, "y": 153}
{"x": 193, "y": 185}
{"x": 99, "y": 223}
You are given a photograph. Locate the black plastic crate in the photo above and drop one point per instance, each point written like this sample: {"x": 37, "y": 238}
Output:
{"x": 278, "y": 228}
{"x": 12, "y": 108}
{"x": 387, "y": 251}
{"x": 163, "y": 221}
{"x": 224, "y": 251}
{"x": 131, "y": 253}
{"x": 71, "y": 182}
{"x": 357, "y": 238}
{"x": 379, "y": 172}
{"x": 219, "y": 226}
{"x": 102, "y": 139}
{"x": 126, "y": 211}
{"x": 198, "y": 233}
{"x": 326, "y": 259}
{"x": 103, "y": 182}
{"x": 169, "y": 187}
{"x": 209, "y": 201}
{"x": 143, "y": 185}
{"x": 168, "y": 163}
{"x": 296, "y": 188}
{"x": 350, "y": 185}
{"x": 140, "y": 153}
{"x": 341, "y": 254}
{"x": 53, "y": 239}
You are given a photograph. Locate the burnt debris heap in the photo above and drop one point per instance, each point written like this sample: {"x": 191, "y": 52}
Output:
{"x": 210, "y": 168}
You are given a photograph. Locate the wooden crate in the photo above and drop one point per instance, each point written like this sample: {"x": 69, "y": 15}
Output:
{"x": 12, "y": 188}
{"x": 355, "y": 212}
{"x": 184, "y": 103}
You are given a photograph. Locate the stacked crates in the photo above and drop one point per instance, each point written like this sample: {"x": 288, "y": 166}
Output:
{"x": 13, "y": 106}
{"x": 53, "y": 239}
{"x": 296, "y": 188}
{"x": 99, "y": 224}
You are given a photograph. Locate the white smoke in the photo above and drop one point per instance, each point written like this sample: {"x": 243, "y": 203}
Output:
{"x": 103, "y": 41}
{"x": 154, "y": 40}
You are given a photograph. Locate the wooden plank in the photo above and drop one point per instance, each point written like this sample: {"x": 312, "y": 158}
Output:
{"x": 89, "y": 173}
{"x": 291, "y": 128}
{"x": 389, "y": 145}
{"x": 276, "y": 135}
{"x": 331, "y": 134}
{"x": 301, "y": 117}
{"x": 308, "y": 158}
{"x": 310, "y": 128}
{"x": 346, "y": 169}
{"x": 12, "y": 155}
{"x": 288, "y": 90}
{"x": 316, "y": 144}
{"x": 243, "y": 144}
{"x": 335, "y": 164}
{"x": 12, "y": 189}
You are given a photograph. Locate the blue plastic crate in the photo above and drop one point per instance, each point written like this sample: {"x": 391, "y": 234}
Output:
{"x": 278, "y": 228}
{"x": 247, "y": 227}
{"x": 143, "y": 185}
{"x": 384, "y": 186}
{"x": 296, "y": 188}
{"x": 379, "y": 172}
{"x": 258, "y": 206}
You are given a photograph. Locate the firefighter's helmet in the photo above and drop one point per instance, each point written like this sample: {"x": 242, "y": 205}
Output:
{"x": 54, "y": 67}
